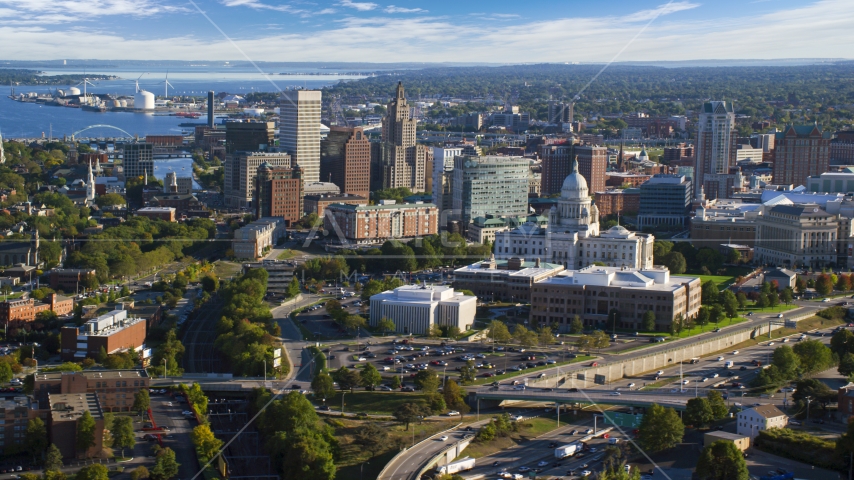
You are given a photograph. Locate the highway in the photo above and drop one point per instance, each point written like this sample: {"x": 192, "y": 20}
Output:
{"x": 406, "y": 467}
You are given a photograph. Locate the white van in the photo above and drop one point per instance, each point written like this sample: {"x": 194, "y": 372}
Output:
{"x": 729, "y": 364}
{"x": 613, "y": 440}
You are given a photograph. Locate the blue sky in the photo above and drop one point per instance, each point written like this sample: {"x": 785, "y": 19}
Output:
{"x": 498, "y": 31}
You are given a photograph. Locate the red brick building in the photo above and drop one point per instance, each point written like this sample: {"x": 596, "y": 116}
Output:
{"x": 279, "y": 192}
{"x": 161, "y": 213}
{"x": 71, "y": 279}
{"x": 65, "y": 411}
{"x": 345, "y": 160}
{"x": 612, "y": 201}
{"x": 618, "y": 179}
{"x": 799, "y": 152}
{"x": 592, "y": 163}
{"x": 26, "y": 309}
{"x": 378, "y": 223}
{"x": 556, "y": 164}
{"x": 113, "y": 332}
{"x": 115, "y": 388}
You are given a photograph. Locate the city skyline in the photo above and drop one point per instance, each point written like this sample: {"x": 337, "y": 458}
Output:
{"x": 499, "y": 32}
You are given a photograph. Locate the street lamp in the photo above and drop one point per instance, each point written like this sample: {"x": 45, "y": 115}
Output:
{"x": 165, "y": 371}
{"x": 361, "y": 473}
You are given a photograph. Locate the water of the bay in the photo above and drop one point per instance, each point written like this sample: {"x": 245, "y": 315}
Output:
{"x": 30, "y": 120}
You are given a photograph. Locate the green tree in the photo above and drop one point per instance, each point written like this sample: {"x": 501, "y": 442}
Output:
{"x": 498, "y": 332}
{"x": 717, "y": 404}
{"x": 369, "y": 377}
{"x": 455, "y": 397}
{"x": 205, "y": 441}
{"x": 709, "y": 292}
{"x": 787, "y": 361}
{"x": 323, "y": 386}
{"x": 347, "y": 379}
{"x": 427, "y": 381}
{"x": 649, "y": 321}
{"x": 293, "y": 287}
{"x": 842, "y": 342}
{"x": 698, "y": 412}
{"x": 408, "y": 413}
{"x": 576, "y": 326}
{"x": 722, "y": 460}
{"x": 468, "y": 372}
{"x": 53, "y": 459}
{"x": 675, "y": 262}
{"x": 122, "y": 433}
{"x": 6, "y": 373}
{"x": 545, "y": 336}
{"x": 729, "y": 301}
{"x": 845, "y": 447}
{"x": 762, "y": 302}
{"x": 165, "y": 466}
{"x": 210, "y": 283}
{"x": 600, "y": 340}
{"x": 354, "y": 322}
{"x": 85, "y": 432}
{"x": 786, "y": 296}
{"x": 35, "y": 439}
{"x": 734, "y": 256}
{"x": 371, "y": 436}
{"x": 846, "y": 365}
{"x": 139, "y": 473}
{"x": 524, "y": 336}
{"x": 386, "y": 325}
{"x": 95, "y": 471}
{"x": 815, "y": 356}
{"x": 141, "y": 400}
{"x": 395, "y": 382}
{"x": 660, "y": 429}
{"x": 741, "y": 298}
{"x": 824, "y": 284}
{"x": 703, "y": 316}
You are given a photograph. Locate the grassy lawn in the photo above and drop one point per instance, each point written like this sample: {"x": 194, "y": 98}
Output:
{"x": 722, "y": 281}
{"x": 353, "y": 455}
{"x": 663, "y": 382}
{"x": 684, "y": 334}
{"x": 803, "y": 326}
{"x": 224, "y": 269}
{"x": 286, "y": 255}
{"x": 484, "y": 381}
{"x": 778, "y": 309}
{"x": 375, "y": 403}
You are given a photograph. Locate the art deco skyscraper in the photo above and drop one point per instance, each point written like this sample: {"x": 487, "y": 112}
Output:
{"x": 299, "y": 130}
{"x": 400, "y": 160}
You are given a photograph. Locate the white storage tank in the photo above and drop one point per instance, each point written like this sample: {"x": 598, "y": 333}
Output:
{"x": 124, "y": 103}
{"x": 73, "y": 91}
{"x": 143, "y": 100}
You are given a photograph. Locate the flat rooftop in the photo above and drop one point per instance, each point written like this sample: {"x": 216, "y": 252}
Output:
{"x": 69, "y": 407}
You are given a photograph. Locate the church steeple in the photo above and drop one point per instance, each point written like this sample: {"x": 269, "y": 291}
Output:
{"x": 400, "y": 90}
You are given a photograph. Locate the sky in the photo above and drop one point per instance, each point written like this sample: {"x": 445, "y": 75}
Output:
{"x": 481, "y": 31}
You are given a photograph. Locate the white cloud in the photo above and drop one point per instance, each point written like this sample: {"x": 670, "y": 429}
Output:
{"x": 777, "y": 34}
{"x": 360, "y": 6}
{"x": 395, "y": 9}
{"x": 46, "y": 12}
{"x": 665, "y": 9}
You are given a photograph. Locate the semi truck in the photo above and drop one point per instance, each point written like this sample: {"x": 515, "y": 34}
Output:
{"x": 456, "y": 467}
{"x": 568, "y": 450}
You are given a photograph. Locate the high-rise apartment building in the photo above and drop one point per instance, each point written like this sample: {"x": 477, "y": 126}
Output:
{"x": 299, "y": 130}
{"x": 842, "y": 148}
{"x": 279, "y": 192}
{"x": 249, "y": 136}
{"x": 241, "y": 170}
{"x": 715, "y": 149}
{"x": 561, "y": 112}
{"x": 138, "y": 160}
{"x": 345, "y": 160}
{"x": 400, "y": 160}
{"x": 490, "y": 185}
{"x": 799, "y": 152}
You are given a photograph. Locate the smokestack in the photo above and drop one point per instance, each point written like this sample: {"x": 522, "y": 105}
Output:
{"x": 211, "y": 109}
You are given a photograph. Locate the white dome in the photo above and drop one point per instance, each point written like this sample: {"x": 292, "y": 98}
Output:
{"x": 574, "y": 185}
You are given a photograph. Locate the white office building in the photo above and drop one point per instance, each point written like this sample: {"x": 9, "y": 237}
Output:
{"x": 443, "y": 165}
{"x": 299, "y": 130}
{"x": 416, "y": 308}
{"x": 754, "y": 420}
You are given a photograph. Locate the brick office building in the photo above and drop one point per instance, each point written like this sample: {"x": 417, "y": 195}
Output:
{"x": 610, "y": 202}
{"x": 113, "y": 332}
{"x": 378, "y": 223}
{"x": 279, "y": 192}
{"x": 318, "y": 203}
{"x": 115, "y": 388}
{"x": 65, "y": 411}
{"x": 800, "y": 152}
{"x": 70, "y": 279}
{"x": 345, "y": 160}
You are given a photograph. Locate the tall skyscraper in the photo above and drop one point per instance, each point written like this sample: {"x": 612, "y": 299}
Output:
{"x": 138, "y": 160}
{"x": 299, "y": 130}
{"x": 561, "y": 112}
{"x": 592, "y": 163}
{"x": 241, "y": 171}
{"x": 249, "y": 136}
{"x": 211, "y": 101}
{"x": 799, "y": 152}
{"x": 345, "y": 160}
{"x": 443, "y": 167}
{"x": 279, "y": 192}
{"x": 402, "y": 161}
{"x": 715, "y": 149}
